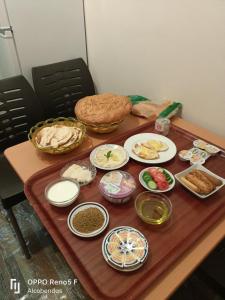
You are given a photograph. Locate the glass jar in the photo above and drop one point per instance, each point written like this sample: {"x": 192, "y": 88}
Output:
{"x": 162, "y": 126}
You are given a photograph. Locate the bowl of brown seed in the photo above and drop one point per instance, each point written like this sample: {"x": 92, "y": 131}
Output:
{"x": 88, "y": 219}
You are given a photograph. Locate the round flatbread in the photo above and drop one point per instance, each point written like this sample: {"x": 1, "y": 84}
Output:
{"x": 103, "y": 108}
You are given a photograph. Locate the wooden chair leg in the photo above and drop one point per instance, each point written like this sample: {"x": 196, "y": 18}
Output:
{"x": 18, "y": 233}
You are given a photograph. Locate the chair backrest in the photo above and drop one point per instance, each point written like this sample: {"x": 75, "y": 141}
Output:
{"x": 60, "y": 85}
{"x": 19, "y": 110}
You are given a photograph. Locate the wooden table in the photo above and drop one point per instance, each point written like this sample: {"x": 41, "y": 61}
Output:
{"x": 26, "y": 161}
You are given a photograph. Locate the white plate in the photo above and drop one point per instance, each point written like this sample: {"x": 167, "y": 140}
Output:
{"x": 157, "y": 190}
{"x": 199, "y": 167}
{"x": 110, "y": 147}
{"x": 81, "y": 207}
{"x": 141, "y": 137}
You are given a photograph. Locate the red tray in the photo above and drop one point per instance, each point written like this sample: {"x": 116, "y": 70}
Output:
{"x": 191, "y": 218}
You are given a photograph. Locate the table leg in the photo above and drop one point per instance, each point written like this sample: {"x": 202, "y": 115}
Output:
{"x": 18, "y": 233}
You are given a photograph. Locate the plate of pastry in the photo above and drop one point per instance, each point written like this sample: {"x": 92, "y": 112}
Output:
{"x": 200, "y": 181}
{"x": 150, "y": 148}
{"x": 125, "y": 248}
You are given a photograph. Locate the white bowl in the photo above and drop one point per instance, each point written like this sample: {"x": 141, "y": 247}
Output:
{"x": 65, "y": 202}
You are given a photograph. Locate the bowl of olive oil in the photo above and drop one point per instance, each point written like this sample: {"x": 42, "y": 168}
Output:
{"x": 154, "y": 209}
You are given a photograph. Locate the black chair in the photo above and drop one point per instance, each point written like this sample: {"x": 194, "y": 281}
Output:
{"x": 19, "y": 110}
{"x": 60, "y": 85}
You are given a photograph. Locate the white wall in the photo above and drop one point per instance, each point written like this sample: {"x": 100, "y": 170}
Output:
{"x": 162, "y": 49}
{"x": 9, "y": 65}
{"x": 47, "y": 31}
{"x": 8, "y": 61}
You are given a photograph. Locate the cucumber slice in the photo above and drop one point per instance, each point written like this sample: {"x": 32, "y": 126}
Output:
{"x": 169, "y": 179}
{"x": 149, "y": 181}
{"x": 146, "y": 177}
{"x": 152, "y": 185}
{"x": 146, "y": 174}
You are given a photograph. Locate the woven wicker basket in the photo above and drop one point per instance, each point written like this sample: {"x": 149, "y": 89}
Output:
{"x": 102, "y": 128}
{"x": 50, "y": 122}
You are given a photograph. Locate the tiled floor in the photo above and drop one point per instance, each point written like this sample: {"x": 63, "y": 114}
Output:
{"x": 48, "y": 263}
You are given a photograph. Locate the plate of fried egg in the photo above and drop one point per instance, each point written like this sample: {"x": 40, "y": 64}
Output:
{"x": 150, "y": 148}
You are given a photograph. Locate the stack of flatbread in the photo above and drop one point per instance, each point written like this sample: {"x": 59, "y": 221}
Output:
{"x": 58, "y": 136}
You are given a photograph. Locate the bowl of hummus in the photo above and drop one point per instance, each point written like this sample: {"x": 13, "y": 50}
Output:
{"x": 109, "y": 157}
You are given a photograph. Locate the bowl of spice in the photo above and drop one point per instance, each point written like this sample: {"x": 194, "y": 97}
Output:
{"x": 62, "y": 192}
{"x": 88, "y": 219}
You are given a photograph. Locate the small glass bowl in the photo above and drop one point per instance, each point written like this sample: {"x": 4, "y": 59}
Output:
{"x": 211, "y": 149}
{"x": 118, "y": 190}
{"x": 195, "y": 161}
{"x": 154, "y": 209}
{"x": 185, "y": 155}
{"x": 67, "y": 200}
{"x": 86, "y": 164}
{"x": 199, "y": 144}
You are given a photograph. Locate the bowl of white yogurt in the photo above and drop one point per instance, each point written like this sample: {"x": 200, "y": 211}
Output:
{"x": 62, "y": 192}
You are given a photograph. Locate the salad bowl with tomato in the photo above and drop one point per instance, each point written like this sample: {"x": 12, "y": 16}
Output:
{"x": 157, "y": 179}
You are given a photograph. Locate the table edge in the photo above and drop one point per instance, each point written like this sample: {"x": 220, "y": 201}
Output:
{"x": 168, "y": 282}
